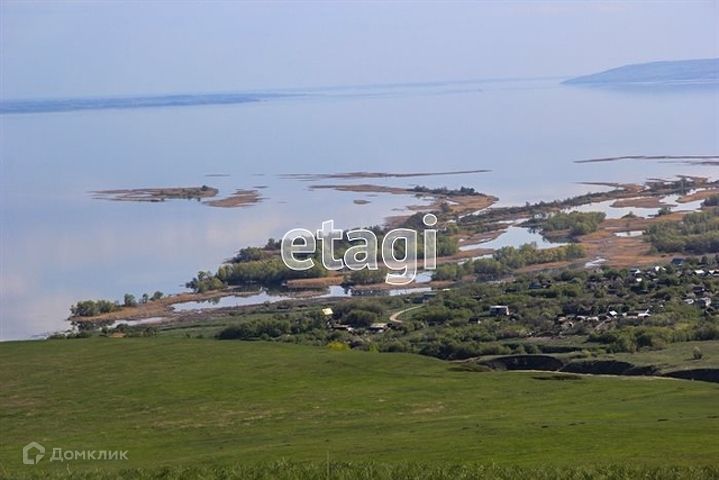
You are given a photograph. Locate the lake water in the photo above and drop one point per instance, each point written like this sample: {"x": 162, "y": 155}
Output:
{"x": 58, "y": 245}
{"x": 514, "y": 236}
{"x": 264, "y": 297}
{"x": 619, "y": 212}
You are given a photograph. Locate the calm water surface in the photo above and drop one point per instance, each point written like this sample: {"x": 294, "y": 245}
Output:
{"x": 58, "y": 245}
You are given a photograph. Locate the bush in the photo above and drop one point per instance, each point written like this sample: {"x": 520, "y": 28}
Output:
{"x": 250, "y": 254}
{"x": 367, "y": 276}
{"x": 255, "y": 330}
{"x": 529, "y": 254}
{"x": 204, "y": 282}
{"x": 712, "y": 201}
{"x": 697, "y": 233}
{"x": 129, "y": 300}
{"x": 337, "y": 346}
{"x": 157, "y": 296}
{"x": 578, "y": 223}
{"x": 697, "y": 354}
{"x": 360, "y": 318}
{"x": 270, "y": 271}
{"x": 91, "y": 308}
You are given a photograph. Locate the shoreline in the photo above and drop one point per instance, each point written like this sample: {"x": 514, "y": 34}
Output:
{"x": 457, "y": 204}
{"x": 686, "y": 159}
{"x": 605, "y": 244}
{"x": 358, "y": 175}
{"x": 204, "y": 194}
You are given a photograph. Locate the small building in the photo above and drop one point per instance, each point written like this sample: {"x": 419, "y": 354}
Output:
{"x": 637, "y": 314}
{"x": 377, "y": 327}
{"x": 499, "y": 310}
{"x": 327, "y": 312}
{"x": 341, "y": 327}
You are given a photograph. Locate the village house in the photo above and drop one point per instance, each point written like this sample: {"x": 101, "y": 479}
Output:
{"x": 341, "y": 327}
{"x": 377, "y": 327}
{"x": 677, "y": 262}
{"x": 705, "y": 302}
{"x": 499, "y": 310}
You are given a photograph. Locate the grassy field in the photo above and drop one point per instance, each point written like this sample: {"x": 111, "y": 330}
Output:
{"x": 215, "y": 405}
{"x": 211, "y": 325}
{"x": 283, "y": 470}
{"x": 676, "y": 356}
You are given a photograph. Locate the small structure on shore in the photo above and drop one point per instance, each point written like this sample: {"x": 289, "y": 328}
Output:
{"x": 499, "y": 310}
{"x": 377, "y": 327}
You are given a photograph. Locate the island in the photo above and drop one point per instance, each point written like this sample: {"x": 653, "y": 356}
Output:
{"x": 240, "y": 198}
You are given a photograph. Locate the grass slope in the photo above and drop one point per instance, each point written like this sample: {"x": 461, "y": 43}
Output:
{"x": 676, "y": 356}
{"x": 203, "y": 402}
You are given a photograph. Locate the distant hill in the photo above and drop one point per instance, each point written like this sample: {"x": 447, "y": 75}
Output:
{"x": 680, "y": 72}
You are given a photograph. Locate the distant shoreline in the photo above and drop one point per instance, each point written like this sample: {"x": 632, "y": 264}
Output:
{"x": 240, "y": 198}
{"x": 616, "y": 250}
{"x": 693, "y": 159}
{"x": 354, "y": 175}
{"x": 697, "y": 72}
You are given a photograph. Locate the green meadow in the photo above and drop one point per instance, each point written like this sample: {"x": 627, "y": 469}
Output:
{"x": 228, "y": 407}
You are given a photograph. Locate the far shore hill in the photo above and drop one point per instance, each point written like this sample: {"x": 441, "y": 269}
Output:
{"x": 667, "y": 73}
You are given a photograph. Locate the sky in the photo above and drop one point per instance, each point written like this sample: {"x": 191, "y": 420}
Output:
{"x": 55, "y": 48}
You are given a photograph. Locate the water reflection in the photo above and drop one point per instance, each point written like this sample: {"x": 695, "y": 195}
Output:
{"x": 630, "y": 233}
{"x": 60, "y": 246}
{"x": 514, "y": 236}
{"x": 265, "y": 297}
{"x": 614, "y": 212}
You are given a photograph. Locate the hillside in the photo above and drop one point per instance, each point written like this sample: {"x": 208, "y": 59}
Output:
{"x": 198, "y": 401}
{"x": 681, "y": 72}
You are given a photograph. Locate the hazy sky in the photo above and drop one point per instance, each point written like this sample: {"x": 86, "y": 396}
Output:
{"x": 72, "y": 48}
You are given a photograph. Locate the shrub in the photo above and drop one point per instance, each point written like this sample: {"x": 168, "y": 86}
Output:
{"x": 367, "y": 276}
{"x": 578, "y": 223}
{"x": 255, "y": 330}
{"x": 360, "y": 318}
{"x": 697, "y": 233}
{"x": 712, "y": 201}
{"x": 129, "y": 300}
{"x": 91, "y": 308}
{"x": 337, "y": 346}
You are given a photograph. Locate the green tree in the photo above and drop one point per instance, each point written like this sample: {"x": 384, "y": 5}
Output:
{"x": 130, "y": 300}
